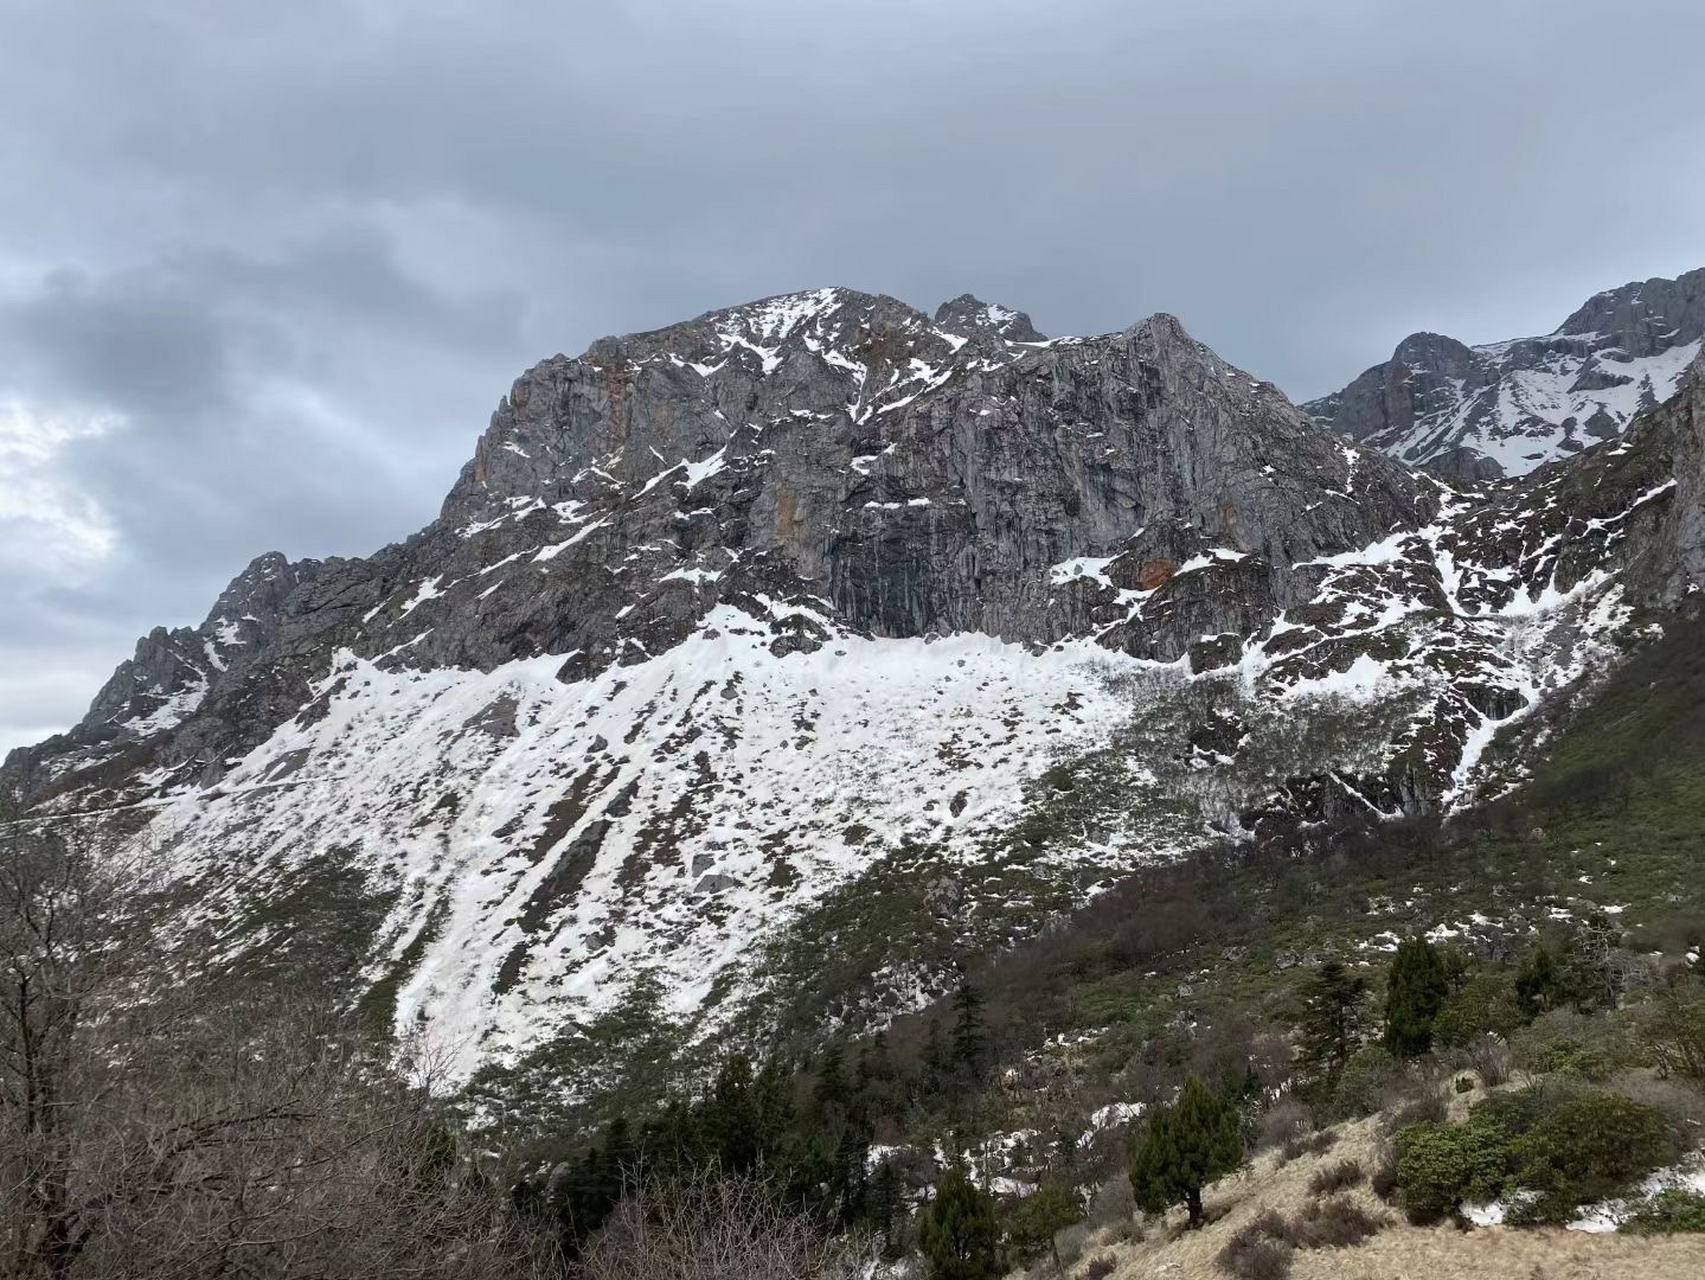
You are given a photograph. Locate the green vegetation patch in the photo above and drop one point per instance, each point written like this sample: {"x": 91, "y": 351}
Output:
{"x": 317, "y": 925}
{"x": 1668, "y": 1212}
{"x": 1548, "y": 1152}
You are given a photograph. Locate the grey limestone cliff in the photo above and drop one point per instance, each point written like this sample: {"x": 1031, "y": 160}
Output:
{"x": 916, "y": 475}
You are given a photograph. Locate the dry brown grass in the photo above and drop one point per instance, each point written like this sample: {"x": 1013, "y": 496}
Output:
{"x": 1336, "y": 1177}
{"x": 1398, "y": 1251}
{"x": 1438, "y": 1253}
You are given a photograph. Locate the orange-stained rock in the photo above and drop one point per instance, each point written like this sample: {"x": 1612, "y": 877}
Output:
{"x": 1154, "y": 572}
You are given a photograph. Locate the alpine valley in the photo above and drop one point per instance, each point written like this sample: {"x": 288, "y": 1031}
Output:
{"x": 761, "y": 669}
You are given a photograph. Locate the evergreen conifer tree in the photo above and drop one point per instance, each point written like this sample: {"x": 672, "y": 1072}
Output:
{"x": 1415, "y": 992}
{"x": 970, "y": 1033}
{"x": 887, "y": 1208}
{"x": 850, "y": 1187}
{"x": 616, "y": 1161}
{"x": 833, "y": 1093}
{"x": 1586, "y": 971}
{"x": 1187, "y": 1146}
{"x": 773, "y": 1106}
{"x": 1042, "y": 1215}
{"x": 873, "y": 1085}
{"x": 1536, "y": 981}
{"x": 936, "y": 1061}
{"x": 1333, "y": 1007}
{"x": 731, "y": 1117}
{"x": 957, "y": 1231}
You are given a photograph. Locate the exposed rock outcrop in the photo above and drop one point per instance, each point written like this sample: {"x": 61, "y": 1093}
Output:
{"x": 1505, "y": 408}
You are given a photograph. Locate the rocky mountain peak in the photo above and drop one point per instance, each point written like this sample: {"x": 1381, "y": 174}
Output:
{"x": 259, "y": 593}
{"x": 1506, "y": 408}
{"x": 1425, "y": 348}
{"x": 1644, "y": 317}
{"x": 968, "y": 313}
{"x": 568, "y": 428}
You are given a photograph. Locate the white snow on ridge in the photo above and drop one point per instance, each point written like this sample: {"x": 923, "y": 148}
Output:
{"x": 1092, "y": 567}
{"x": 1529, "y": 417}
{"x": 776, "y": 318}
{"x": 705, "y": 468}
{"x": 1361, "y": 682}
{"x": 428, "y": 591}
{"x": 724, "y": 759}
{"x": 173, "y": 710}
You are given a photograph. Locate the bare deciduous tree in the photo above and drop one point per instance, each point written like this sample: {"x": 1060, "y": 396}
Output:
{"x": 717, "y": 1229}
{"x": 154, "y": 1125}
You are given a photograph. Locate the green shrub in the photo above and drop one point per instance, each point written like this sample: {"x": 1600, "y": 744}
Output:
{"x": 1487, "y": 1003}
{"x": 1586, "y": 1148}
{"x": 1563, "y": 1042}
{"x": 1514, "y": 1113}
{"x": 1668, "y": 1212}
{"x": 1671, "y": 1029}
{"x": 1439, "y": 1166}
{"x": 1366, "y": 1078}
{"x": 1563, "y": 1149}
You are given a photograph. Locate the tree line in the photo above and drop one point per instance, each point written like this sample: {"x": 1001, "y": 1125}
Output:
{"x": 803, "y": 1129}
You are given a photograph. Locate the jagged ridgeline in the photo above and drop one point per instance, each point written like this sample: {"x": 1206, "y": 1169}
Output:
{"x": 1504, "y": 408}
{"x": 760, "y": 666}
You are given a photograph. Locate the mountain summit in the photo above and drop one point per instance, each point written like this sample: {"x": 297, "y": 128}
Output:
{"x": 788, "y": 627}
{"x": 1505, "y": 408}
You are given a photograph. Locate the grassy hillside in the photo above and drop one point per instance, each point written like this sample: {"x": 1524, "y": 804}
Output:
{"x": 1289, "y": 1188}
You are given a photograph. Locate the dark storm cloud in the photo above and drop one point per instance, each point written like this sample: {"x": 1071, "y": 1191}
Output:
{"x": 120, "y": 342}
{"x": 285, "y": 258}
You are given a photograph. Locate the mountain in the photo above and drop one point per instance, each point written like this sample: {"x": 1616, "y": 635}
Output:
{"x": 1505, "y": 408}
{"x": 759, "y": 667}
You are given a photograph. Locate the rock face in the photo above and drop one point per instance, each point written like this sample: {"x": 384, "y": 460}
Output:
{"x": 918, "y": 479}
{"x": 915, "y": 476}
{"x": 1665, "y": 556}
{"x": 1507, "y": 407}
{"x": 169, "y": 679}
{"x": 800, "y": 603}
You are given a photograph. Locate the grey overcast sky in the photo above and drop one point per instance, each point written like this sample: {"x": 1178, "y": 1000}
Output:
{"x": 265, "y": 269}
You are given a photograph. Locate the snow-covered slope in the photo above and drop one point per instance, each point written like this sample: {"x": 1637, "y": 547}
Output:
{"x": 1504, "y": 408}
{"x": 564, "y": 842}
{"x": 767, "y": 662}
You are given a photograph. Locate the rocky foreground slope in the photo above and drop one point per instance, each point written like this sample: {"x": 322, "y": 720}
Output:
{"x": 747, "y": 660}
{"x": 1505, "y": 408}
